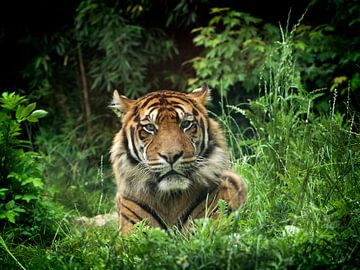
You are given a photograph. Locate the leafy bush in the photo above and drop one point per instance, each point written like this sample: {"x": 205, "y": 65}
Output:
{"x": 235, "y": 48}
{"x": 237, "y": 45}
{"x": 21, "y": 179}
{"x": 335, "y": 46}
{"x": 25, "y": 213}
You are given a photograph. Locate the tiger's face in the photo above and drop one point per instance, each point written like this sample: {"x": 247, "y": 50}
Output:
{"x": 167, "y": 142}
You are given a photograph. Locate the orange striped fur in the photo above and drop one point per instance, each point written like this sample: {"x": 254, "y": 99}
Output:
{"x": 170, "y": 161}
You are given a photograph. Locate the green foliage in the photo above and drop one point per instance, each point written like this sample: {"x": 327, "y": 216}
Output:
{"x": 223, "y": 244}
{"x": 25, "y": 213}
{"x": 318, "y": 49}
{"x": 21, "y": 179}
{"x": 185, "y": 13}
{"x": 52, "y": 61}
{"x": 344, "y": 40}
{"x": 119, "y": 51}
{"x": 235, "y": 48}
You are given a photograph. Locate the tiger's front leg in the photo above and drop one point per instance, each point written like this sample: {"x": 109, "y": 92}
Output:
{"x": 127, "y": 217}
{"x": 132, "y": 211}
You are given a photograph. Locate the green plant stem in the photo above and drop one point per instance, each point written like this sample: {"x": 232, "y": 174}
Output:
{"x": 2, "y": 241}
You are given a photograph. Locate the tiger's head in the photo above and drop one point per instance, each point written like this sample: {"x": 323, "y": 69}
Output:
{"x": 167, "y": 143}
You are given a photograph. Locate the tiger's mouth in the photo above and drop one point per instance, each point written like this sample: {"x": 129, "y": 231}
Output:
{"x": 171, "y": 175}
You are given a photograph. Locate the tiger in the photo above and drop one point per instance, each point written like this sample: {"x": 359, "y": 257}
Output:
{"x": 170, "y": 161}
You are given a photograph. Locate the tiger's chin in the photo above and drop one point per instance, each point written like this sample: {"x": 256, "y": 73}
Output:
{"x": 174, "y": 183}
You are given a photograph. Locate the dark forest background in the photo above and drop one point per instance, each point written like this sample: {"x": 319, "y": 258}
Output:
{"x": 138, "y": 46}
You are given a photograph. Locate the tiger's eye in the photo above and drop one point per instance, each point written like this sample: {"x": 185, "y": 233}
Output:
{"x": 150, "y": 128}
{"x": 186, "y": 124}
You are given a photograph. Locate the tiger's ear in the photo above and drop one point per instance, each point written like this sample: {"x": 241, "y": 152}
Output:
{"x": 201, "y": 95}
{"x": 120, "y": 104}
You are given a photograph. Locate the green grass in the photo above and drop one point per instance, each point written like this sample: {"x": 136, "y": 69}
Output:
{"x": 303, "y": 208}
{"x": 78, "y": 173}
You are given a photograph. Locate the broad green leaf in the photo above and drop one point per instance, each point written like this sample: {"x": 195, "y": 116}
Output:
{"x": 28, "y": 109}
{"x": 35, "y": 181}
{"x": 10, "y": 205}
{"x": 10, "y": 216}
{"x": 18, "y": 114}
{"x": 26, "y": 197}
{"x": 36, "y": 115}
{"x": 3, "y": 191}
{"x": 23, "y": 112}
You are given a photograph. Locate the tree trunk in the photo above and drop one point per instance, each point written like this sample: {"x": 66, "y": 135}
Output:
{"x": 85, "y": 90}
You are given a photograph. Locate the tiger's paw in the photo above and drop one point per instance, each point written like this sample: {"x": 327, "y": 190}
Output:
{"x": 233, "y": 190}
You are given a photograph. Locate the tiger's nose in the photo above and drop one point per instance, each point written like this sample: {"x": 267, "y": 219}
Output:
{"x": 170, "y": 156}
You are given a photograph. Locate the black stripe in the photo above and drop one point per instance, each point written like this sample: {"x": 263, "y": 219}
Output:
{"x": 166, "y": 96}
{"x": 164, "y": 101}
{"x": 154, "y": 105}
{"x": 191, "y": 102}
{"x": 160, "y": 117}
{"x": 159, "y": 104}
{"x": 132, "y": 212}
{"x": 202, "y": 196}
{"x": 170, "y": 109}
{"x": 132, "y": 160}
{"x": 162, "y": 96}
{"x": 187, "y": 101}
{"x": 209, "y": 150}
{"x": 132, "y": 134}
{"x": 179, "y": 107}
{"x": 127, "y": 218}
{"x": 161, "y": 109}
{"x": 150, "y": 98}
{"x": 174, "y": 103}
{"x": 137, "y": 119}
{"x": 202, "y": 126}
{"x": 149, "y": 210}
{"x": 152, "y": 110}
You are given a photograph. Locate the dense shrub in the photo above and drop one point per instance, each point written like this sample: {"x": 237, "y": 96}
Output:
{"x": 23, "y": 211}
{"x": 236, "y": 47}
{"x": 21, "y": 179}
